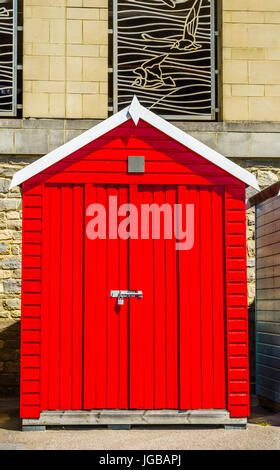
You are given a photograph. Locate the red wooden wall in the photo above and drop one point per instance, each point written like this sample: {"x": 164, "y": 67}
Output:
{"x": 105, "y": 161}
{"x": 31, "y": 301}
{"x": 236, "y": 302}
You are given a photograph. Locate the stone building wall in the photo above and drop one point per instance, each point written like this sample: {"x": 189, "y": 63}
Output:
{"x": 10, "y": 276}
{"x": 65, "y": 71}
{"x": 255, "y": 146}
{"x": 251, "y": 60}
{"x": 65, "y": 63}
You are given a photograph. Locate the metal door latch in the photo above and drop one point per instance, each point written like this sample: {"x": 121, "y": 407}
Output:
{"x": 124, "y": 294}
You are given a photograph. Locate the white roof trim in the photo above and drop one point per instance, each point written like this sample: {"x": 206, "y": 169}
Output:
{"x": 66, "y": 149}
{"x": 134, "y": 111}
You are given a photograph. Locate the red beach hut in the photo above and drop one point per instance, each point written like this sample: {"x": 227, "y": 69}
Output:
{"x": 134, "y": 294}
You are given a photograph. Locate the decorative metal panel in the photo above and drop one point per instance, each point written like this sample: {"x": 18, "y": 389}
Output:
{"x": 8, "y": 57}
{"x": 164, "y": 52}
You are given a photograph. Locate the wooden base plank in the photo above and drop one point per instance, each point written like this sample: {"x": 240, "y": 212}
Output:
{"x": 134, "y": 417}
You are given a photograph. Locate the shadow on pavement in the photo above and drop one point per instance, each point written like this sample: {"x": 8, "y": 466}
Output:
{"x": 9, "y": 414}
{"x": 263, "y": 416}
{"x": 10, "y": 421}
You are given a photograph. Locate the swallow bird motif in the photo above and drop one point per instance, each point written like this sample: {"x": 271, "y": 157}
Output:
{"x": 188, "y": 40}
{"x": 150, "y": 74}
{"x": 165, "y": 55}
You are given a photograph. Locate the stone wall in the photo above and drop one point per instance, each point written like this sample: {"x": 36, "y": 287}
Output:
{"x": 23, "y": 141}
{"x": 10, "y": 276}
{"x": 251, "y": 60}
{"x": 65, "y": 71}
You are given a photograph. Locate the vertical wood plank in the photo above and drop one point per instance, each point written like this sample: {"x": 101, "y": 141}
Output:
{"x": 46, "y": 272}
{"x": 171, "y": 310}
{"x": 184, "y": 311}
{"x": 77, "y": 326}
{"x": 159, "y": 308}
{"x": 102, "y": 292}
{"x": 148, "y": 306}
{"x": 52, "y": 246}
{"x": 66, "y": 285}
{"x": 123, "y": 267}
{"x": 195, "y": 306}
{"x": 206, "y": 297}
{"x": 113, "y": 311}
{"x": 90, "y": 306}
{"x": 218, "y": 269}
{"x": 136, "y": 333}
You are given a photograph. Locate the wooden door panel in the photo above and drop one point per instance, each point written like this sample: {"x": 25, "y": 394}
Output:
{"x": 105, "y": 324}
{"x": 62, "y": 314}
{"x": 202, "y": 309}
{"x": 153, "y": 320}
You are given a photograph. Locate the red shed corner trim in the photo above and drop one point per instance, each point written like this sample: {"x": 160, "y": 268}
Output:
{"x": 134, "y": 111}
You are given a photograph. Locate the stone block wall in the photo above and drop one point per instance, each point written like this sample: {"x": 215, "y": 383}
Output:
{"x": 65, "y": 63}
{"x": 251, "y": 60}
{"x": 65, "y": 72}
{"x": 10, "y": 277}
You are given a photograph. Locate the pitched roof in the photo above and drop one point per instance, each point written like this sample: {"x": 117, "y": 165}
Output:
{"x": 134, "y": 111}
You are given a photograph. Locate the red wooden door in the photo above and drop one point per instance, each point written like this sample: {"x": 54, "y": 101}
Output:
{"x": 166, "y": 350}
{"x": 62, "y": 297}
{"x": 105, "y": 326}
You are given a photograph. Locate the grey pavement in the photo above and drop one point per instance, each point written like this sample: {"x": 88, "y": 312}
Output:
{"x": 263, "y": 433}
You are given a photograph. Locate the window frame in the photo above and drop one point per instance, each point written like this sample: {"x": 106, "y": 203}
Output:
{"x": 15, "y": 105}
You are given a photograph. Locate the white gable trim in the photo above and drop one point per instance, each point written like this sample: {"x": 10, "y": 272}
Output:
{"x": 134, "y": 111}
{"x": 72, "y": 146}
{"x": 195, "y": 145}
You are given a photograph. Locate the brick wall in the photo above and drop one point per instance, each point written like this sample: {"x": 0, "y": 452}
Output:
{"x": 251, "y": 60}
{"x": 65, "y": 70}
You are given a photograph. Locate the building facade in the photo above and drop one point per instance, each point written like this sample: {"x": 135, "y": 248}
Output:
{"x": 66, "y": 83}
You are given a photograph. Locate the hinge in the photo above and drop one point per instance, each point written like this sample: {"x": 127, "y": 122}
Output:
{"x": 217, "y": 72}
{"x": 20, "y": 28}
{"x": 217, "y": 33}
{"x": 19, "y": 67}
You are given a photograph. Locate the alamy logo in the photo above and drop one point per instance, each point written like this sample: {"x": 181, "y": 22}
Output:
{"x": 178, "y": 222}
